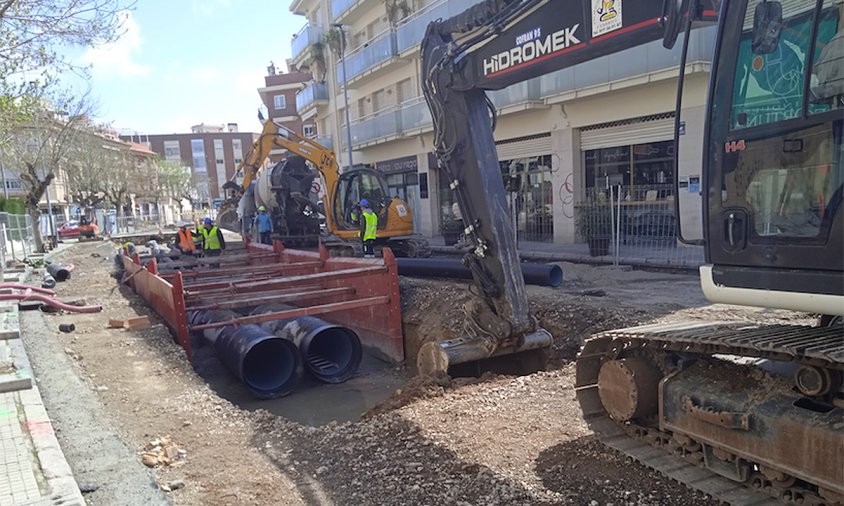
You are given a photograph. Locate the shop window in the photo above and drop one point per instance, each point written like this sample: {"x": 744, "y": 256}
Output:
{"x": 530, "y": 196}
{"x": 643, "y": 176}
{"x": 644, "y": 171}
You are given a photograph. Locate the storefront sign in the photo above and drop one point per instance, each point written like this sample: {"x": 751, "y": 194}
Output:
{"x": 403, "y": 164}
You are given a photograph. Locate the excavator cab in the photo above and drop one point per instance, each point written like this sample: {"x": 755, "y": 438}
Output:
{"x": 360, "y": 184}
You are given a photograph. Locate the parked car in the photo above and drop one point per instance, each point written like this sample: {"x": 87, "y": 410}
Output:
{"x": 69, "y": 230}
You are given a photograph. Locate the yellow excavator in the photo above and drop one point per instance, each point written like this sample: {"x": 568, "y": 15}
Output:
{"x": 288, "y": 189}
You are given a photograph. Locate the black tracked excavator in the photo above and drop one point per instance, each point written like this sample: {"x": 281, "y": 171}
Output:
{"x": 748, "y": 413}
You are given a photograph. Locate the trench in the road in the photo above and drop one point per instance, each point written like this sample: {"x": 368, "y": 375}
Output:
{"x": 313, "y": 403}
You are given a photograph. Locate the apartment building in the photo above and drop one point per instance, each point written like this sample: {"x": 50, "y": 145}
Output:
{"x": 604, "y": 122}
{"x": 279, "y": 97}
{"x": 213, "y": 153}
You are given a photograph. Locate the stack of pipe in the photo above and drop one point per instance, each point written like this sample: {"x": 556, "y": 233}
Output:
{"x": 270, "y": 358}
{"x": 332, "y": 353}
{"x": 268, "y": 365}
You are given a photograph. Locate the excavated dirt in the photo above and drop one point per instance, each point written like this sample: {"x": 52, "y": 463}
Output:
{"x": 494, "y": 440}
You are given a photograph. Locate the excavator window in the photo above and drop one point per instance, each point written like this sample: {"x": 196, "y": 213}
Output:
{"x": 357, "y": 185}
{"x": 790, "y": 182}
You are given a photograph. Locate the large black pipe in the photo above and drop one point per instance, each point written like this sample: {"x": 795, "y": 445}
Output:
{"x": 60, "y": 272}
{"x": 268, "y": 365}
{"x": 332, "y": 353}
{"x": 534, "y": 274}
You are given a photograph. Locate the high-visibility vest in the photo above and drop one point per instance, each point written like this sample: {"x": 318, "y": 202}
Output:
{"x": 211, "y": 241}
{"x": 371, "y": 230}
{"x": 186, "y": 240}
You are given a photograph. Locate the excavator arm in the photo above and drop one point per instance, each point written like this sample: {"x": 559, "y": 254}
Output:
{"x": 490, "y": 46}
{"x": 276, "y": 135}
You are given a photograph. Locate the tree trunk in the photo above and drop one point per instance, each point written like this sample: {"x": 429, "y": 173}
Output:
{"x": 35, "y": 215}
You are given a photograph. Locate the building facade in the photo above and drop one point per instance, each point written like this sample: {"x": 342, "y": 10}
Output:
{"x": 279, "y": 97}
{"x": 560, "y": 137}
{"x": 212, "y": 152}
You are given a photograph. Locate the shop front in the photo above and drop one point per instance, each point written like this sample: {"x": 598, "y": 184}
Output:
{"x": 632, "y": 165}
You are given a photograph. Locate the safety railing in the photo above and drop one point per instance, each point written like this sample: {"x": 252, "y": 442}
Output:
{"x": 411, "y": 29}
{"x": 309, "y": 34}
{"x": 634, "y": 225}
{"x": 16, "y": 236}
{"x": 310, "y": 94}
{"x": 636, "y": 61}
{"x": 372, "y": 53}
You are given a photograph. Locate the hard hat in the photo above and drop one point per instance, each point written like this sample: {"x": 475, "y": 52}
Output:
{"x": 208, "y": 221}
{"x": 262, "y": 208}
{"x": 364, "y": 203}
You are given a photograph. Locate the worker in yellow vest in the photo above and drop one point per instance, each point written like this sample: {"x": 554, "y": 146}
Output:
{"x": 213, "y": 242}
{"x": 368, "y": 229}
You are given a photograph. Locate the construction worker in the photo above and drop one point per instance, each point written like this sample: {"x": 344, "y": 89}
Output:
{"x": 368, "y": 229}
{"x": 264, "y": 224}
{"x": 213, "y": 242}
{"x": 185, "y": 240}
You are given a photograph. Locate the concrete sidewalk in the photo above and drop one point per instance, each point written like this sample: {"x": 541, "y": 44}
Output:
{"x": 33, "y": 469}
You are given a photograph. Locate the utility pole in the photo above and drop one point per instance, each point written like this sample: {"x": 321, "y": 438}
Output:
{"x": 345, "y": 90}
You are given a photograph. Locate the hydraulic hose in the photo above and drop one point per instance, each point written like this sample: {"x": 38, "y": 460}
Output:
{"x": 51, "y": 302}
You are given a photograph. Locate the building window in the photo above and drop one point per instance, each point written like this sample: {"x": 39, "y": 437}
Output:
{"x": 172, "y": 151}
{"x": 218, "y": 152}
{"x": 528, "y": 182}
{"x": 237, "y": 148}
{"x": 645, "y": 171}
{"x": 279, "y": 102}
{"x": 13, "y": 184}
{"x": 309, "y": 131}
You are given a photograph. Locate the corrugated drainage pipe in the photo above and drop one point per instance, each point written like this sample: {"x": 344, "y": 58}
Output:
{"x": 60, "y": 272}
{"x": 268, "y": 365}
{"x": 534, "y": 274}
{"x": 332, "y": 353}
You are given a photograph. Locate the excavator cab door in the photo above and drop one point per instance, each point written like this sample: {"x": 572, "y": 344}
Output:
{"x": 354, "y": 186}
{"x": 775, "y": 171}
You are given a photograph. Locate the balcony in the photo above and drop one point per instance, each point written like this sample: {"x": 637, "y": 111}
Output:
{"x": 325, "y": 141}
{"x": 409, "y": 118}
{"x": 411, "y": 29}
{"x": 368, "y": 58}
{"x": 414, "y": 116}
{"x": 312, "y": 95}
{"x": 349, "y": 11}
{"x": 522, "y": 94}
{"x": 302, "y": 41}
{"x": 644, "y": 61}
{"x": 381, "y": 125}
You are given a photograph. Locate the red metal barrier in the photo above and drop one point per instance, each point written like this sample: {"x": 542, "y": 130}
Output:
{"x": 165, "y": 299}
{"x": 362, "y": 294}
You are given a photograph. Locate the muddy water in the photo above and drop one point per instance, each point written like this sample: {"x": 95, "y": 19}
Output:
{"x": 313, "y": 403}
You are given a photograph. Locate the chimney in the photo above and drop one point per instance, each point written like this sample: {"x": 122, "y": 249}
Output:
{"x": 232, "y": 127}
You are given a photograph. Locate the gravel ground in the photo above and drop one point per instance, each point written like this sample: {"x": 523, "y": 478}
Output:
{"x": 496, "y": 440}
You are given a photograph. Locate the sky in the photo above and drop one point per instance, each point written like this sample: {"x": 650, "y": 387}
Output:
{"x": 185, "y": 62}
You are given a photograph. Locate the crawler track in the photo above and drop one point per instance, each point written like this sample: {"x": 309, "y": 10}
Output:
{"x": 660, "y": 450}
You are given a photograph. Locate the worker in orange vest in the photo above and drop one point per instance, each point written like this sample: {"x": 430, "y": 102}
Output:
{"x": 185, "y": 240}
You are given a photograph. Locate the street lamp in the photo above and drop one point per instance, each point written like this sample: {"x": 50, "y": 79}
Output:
{"x": 345, "y": 89}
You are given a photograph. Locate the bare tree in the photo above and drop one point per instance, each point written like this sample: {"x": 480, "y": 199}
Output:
{"x": 88, "y": 161}
{"x": 174, "y": 181}
{"x": 34, "y": 38}
{"x": 37, "y": 150}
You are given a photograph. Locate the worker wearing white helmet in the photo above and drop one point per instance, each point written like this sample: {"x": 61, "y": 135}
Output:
{"x": 265, "y": 225}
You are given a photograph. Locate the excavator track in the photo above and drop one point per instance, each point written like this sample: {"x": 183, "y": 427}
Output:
{"x": 684, "y": 457}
